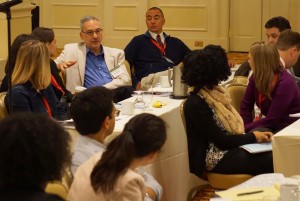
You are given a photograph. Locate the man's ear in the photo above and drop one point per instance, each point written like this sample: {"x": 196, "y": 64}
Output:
{"x": 81, "y": 35}
{"x": 105, "y": 123}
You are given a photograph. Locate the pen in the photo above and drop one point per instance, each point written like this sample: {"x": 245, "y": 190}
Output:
{"x": 249, "y": 193}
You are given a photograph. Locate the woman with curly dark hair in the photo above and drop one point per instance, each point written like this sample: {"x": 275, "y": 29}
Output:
{"x": 34, "y": 150}
{"x": 215, "y": 130}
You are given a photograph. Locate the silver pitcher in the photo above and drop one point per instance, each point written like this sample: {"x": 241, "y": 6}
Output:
{"x": 179, "y": 89}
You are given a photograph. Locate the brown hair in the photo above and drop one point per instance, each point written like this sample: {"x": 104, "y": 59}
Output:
{"x": 288, "y": 39}
{"x": 32, "y": 64}
{"x": 265, "y": 66}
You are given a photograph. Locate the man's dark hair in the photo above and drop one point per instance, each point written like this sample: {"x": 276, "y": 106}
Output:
{"x": 156, "y": 8}
{"x": 90, "y": 107}
{"x": 34, "y": 149}
{"x": 279, "y": 22}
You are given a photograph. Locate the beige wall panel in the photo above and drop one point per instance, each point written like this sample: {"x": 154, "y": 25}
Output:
{"x": 64, "y": 16}
{"x": 20, "y": 23}
{"x": 70, "y": 20}
{"x": 3, "y": 36}
{"x": 288, "y": 9}
{"x": 245, "y": 24}
{"x": 179, "y": 18}
{"x": 123, "y": 19}
{"x": 295, "y": 14}
{"x": 195, "y": 20}
{"x": 129, "y": 13}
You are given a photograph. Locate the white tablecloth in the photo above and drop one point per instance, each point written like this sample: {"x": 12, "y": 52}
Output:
{"x": 171, "y": 168}
{"x": 286, "y": 150}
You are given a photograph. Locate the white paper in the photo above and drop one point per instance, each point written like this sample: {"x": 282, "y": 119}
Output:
{"x": 295, "y": 115}
{"x": 257, "y": 147}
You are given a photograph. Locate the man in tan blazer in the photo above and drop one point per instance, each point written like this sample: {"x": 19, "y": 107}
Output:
{"x": 90, "y": 64}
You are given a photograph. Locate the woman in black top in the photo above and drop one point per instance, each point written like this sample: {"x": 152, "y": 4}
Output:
{"x": 215, "y": 130}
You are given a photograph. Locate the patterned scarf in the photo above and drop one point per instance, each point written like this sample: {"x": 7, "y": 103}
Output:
{"x": 220, "y": 101}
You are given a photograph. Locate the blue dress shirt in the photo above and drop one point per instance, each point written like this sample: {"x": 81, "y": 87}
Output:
{"x": 96, "y": 71}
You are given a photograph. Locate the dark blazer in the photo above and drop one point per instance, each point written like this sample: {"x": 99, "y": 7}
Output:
{"x": 25, "y": 98}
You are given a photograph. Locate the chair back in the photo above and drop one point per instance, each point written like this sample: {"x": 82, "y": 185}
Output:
{"x": 57, "y": 188}
{"x": 215, "y": 180}
{"x": 3, "y": 110}
{"x": 240, "y": 80}
{"x": 236, "y": 92}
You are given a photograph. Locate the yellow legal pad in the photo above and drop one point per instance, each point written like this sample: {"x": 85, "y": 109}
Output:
{"x": 232, "y": 194}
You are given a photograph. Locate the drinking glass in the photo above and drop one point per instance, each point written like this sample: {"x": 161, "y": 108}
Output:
{"x": 148, "y": 97}
{"x": 139, "y": 98}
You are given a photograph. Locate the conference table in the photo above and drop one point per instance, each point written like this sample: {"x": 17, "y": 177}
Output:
{"x": 171, "y": 168}
{"x": 286, "y": 150}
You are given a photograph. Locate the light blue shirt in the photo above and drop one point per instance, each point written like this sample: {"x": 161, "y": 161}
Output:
{"x": 84, "y": 149}
{"x": 96, "y": 71}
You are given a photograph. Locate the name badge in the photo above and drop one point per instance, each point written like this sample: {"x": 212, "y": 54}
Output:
{"x": 115, "y": 72}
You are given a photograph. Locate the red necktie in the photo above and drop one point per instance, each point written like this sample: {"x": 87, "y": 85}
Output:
{"x": 158, "y": 39}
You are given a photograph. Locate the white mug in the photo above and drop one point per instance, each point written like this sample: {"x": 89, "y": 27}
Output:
{"x": 79, "y": 89}
{"x": 286, "y": 191}
{"x": 164, "y": 81}
{"x": 127, "y": 108}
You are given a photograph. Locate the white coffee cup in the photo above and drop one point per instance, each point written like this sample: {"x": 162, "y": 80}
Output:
{"x": 79, "y": 89}
{"x": 127, "y": 108}
{"x": 164, "y": 81}
{"x": 286, "y": 191}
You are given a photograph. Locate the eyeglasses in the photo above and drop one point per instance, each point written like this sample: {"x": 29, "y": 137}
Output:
{"x": 117, "y": 113}
{"x": 91, "y": 32}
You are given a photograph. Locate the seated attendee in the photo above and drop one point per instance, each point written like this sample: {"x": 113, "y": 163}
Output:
{"x": 13, "y": 56}
{"x": 274, "y": 27}
{"x": 92, "y": 64}
{"x": 95, "y": 120}
{"x": 31, "y": 89}
{"x": 215, "y": 130}
{"x": 288, "y": 46}
{"x": 47, "y": 36}
{"x": 34, "y": 151}
{"x": 154, "y": 51}
{"x": 271, "y": 88}
{"x": 111, "y": 175}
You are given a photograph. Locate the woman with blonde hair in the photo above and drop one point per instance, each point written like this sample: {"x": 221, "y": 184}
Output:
{"x": 271, "y": 88}
{"x": 31, "y": 90}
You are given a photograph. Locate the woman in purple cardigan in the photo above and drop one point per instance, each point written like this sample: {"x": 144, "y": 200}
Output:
{"x": 271, "y": 88}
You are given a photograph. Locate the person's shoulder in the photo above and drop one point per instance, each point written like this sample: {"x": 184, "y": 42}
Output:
{"x": 172, "y": 38}
{"x": 21, "y": 87}
{"x": 286, "y": 76}
{"x": 286, "y": 80}
{"x": 195, "y": 101}
{"x": 131, "y": 177}
{"x": 87, "y": 166}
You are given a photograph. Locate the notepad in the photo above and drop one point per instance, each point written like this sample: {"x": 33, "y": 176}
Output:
{"x": 233, "y": 194}
{"x": 257, "y": 147}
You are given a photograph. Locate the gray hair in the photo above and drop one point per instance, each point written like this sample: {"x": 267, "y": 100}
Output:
{"x": 85, "y": 19}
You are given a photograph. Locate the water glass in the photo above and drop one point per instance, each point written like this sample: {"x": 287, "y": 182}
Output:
{"x": 148, "y": 98}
